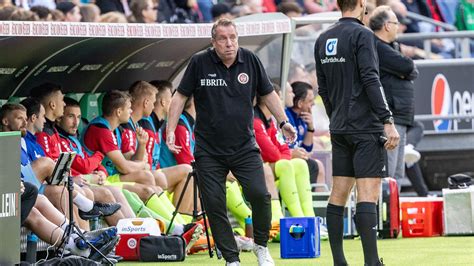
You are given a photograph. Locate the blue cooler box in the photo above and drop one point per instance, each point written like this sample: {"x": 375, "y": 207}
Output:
{"x": 299, "y": 237}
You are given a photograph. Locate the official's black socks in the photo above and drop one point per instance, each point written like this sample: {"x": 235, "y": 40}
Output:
{"x": 335, "y": 224}
{"x": 366, "y": 224}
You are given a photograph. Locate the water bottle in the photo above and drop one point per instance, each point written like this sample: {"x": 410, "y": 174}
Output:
{"x": 81, "y": 244}
{"x": 248, "y": 227}
{"x": 31, "y": 245}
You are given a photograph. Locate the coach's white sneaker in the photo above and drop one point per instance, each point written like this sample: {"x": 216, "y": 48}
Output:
{"x": 263, "y": 256}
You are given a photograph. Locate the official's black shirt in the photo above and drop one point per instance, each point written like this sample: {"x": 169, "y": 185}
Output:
{"x": 224, "y": 100}
{"x": 348, "y": 78}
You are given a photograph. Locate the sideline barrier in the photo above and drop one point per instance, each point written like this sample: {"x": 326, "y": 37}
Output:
{"x": 10, "y": 198}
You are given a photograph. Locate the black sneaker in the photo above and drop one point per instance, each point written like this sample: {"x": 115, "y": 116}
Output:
{"x": 104, "y": 240}
{"x": 100, "y": 209}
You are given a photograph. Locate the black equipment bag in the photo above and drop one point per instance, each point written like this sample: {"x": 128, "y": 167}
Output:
{"x": 162, "y": 248}
{"x": 459, "y": 181}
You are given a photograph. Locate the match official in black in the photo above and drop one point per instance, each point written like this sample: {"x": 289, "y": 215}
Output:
{"x": 348, "y": 78}
{"x": 224, "y": 80}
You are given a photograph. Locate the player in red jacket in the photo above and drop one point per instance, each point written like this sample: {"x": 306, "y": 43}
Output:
{"x": 292, "y": 174}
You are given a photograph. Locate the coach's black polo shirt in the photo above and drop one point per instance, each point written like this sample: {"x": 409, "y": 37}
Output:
{"x": 224, "y": 100}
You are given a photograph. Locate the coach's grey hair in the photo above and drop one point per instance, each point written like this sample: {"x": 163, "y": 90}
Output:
{"x": 222, "y": 22}
{"x": 379, "y": 17}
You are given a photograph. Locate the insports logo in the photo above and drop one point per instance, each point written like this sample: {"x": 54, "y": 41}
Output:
{"x": 331, "y": 46}
{"x": 441, "y": 102}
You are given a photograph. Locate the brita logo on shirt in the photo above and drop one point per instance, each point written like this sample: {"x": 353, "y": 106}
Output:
{"x": 331, "y": 46}
{"x": 213, "y": 82}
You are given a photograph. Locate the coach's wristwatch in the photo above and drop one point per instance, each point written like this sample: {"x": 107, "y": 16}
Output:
{"x": 388, "y": 120}
{"x": 283, "y": 123}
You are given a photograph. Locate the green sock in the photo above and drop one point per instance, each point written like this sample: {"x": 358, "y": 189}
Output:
{"x": 135, "y": 203}
{"x": 304, "y": 186}
{"x": 171, "y": 208}
{"x": 276, "y": 210}
{"x": 141, "y": 210}
{"x": 155, "y": 204}
{"x": 236, "y": 204}
{"x": 187, "y": 218}
{"x": 288, "y": 190}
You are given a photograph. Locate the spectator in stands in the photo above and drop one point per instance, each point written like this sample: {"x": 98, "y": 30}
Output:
{"x": 419, "y": 7}
{"x": 44, "y": 14}
{"x": 414, "y": 49}
{"x": 89, "y": 13}
{"x": 57, "y": 15}
{"x": 6, "y": 12}
{"x": 291, "y": 9}
{"x": 224, "y": 137}
{"x": 313, "y": 6}
{"x": 465, "y": 15}
{"x": 71, "y": 11}
{"x": 143, "y": 11}
{"x": 184, "y": 12}
{"x": 113, "y": 17}
{"x": 50, "y": 4}
{"x": 255, "y": 6}
{"x": 240, "y": 11}
{"x": 412, "y": 156}
{"x": 205, "y": 8}
{"x": 299, "y": 114}
{"x": 23, "y": 15}
{"x": 397, "y": 73}
{"x": 220, "y": 10}
{"x": 107, "y": 6}
{"x": 4, "y": 3}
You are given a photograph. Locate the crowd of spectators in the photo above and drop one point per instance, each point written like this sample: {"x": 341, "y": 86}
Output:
{"x": 455, "y": 12}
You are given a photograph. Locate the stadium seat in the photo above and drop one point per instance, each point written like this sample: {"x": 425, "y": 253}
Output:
{"x": 99, "y": 101}
{"x": 75, "y": 96}
{"x": 14, "y": 99}
{"x": 89, "y": 106}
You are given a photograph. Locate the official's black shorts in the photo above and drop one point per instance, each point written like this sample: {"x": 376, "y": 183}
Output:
{"x": 358, "y": 155}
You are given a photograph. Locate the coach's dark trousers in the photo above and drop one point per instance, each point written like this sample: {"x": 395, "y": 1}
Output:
{"x": 247, "y": 167}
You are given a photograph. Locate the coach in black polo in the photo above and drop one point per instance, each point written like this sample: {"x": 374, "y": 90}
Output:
{"x": 224, "y": 80}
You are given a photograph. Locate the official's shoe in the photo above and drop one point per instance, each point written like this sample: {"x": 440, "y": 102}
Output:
{"x": 192, "y": 232}
{"x": 235, "y": 263}
{"x": 263, "y": 256}
{"x": 100, "y": 209}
